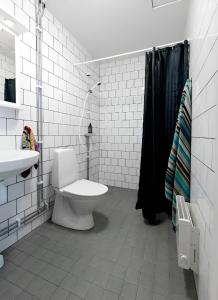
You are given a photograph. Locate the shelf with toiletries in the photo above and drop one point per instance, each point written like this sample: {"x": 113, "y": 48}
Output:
{"x": 90, "y": 131}
{"x": 88, "y": 134}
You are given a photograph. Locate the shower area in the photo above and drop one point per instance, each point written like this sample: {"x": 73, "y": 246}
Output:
{"x": 127, "y": 153}
{"x": 115, "y": 144}
{"x": 121, "y": 114}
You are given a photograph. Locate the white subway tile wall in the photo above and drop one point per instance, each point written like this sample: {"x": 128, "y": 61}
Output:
{"x": 64, "y": 90}
{"x": 203, "y": 31}
{"x": 121, "y": 118}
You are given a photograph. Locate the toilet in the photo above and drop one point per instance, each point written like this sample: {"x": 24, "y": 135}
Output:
{"x": 75, "y": 199}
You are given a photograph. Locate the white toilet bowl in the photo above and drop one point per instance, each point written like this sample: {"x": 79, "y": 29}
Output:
{"x": 75, "y": 199}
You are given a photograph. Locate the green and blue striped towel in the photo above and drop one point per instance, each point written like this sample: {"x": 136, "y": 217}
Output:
{"x": 177, "y": 180}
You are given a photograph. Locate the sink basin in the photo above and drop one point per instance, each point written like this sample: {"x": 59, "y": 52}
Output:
{"x": 13, "y": 162}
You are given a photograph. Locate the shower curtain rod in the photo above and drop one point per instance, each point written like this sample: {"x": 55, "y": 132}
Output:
{"x": 126, "y": 53}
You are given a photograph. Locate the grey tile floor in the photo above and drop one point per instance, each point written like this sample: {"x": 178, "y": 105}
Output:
{"x": 121, "y": 258}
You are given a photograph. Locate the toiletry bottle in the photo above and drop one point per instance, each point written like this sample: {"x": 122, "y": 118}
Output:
{"x": 90, "y": 128}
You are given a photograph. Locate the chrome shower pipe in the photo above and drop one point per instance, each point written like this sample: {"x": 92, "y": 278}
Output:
{"x": 40, "y": 7}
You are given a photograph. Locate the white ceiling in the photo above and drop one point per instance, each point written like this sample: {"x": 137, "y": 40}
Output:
{"x": 108, "y": 27}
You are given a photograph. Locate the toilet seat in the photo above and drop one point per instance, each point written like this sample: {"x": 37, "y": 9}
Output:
{"x": 85, "y": 188}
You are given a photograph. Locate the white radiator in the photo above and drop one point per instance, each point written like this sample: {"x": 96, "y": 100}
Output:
{"x": 187, "y": 236}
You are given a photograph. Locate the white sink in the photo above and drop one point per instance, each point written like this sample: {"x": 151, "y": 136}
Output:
{"x": 13, "y": 162}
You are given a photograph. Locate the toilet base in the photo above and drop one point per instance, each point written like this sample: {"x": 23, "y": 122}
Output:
{"x": 75, "y": 222}
{"x": 71, "y": 214}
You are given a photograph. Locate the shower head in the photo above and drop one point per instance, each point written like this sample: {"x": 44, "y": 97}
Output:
{"x": 92, "y": 89}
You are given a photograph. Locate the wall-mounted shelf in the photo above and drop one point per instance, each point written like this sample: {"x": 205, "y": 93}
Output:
{"x": 88, "y": 134}
{"x": 10, "y": 105}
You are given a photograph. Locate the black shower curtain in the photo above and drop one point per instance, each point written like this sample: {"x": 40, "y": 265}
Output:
{"x": 166, "y": 71}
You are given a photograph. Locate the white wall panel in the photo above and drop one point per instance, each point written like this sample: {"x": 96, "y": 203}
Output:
{"x": 202, "y": 29}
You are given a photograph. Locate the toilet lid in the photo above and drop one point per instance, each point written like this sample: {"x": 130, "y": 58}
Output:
{"x": 85, "y": 187}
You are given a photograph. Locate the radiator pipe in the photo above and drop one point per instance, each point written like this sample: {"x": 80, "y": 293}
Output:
{"x": 40, "y": 7}
{"x": 25, "y": 220}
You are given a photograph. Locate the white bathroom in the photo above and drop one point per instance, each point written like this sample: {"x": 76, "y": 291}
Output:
{"x": 108, "y": 153}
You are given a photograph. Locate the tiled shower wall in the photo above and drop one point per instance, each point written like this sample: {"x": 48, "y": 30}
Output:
{"x": 203, "y": 31}
{"x": 121, "y": 117}
{"x": 64, "y": 90}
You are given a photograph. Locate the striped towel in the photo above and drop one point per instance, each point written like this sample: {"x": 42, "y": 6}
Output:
{"x": 177, "y": 180}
